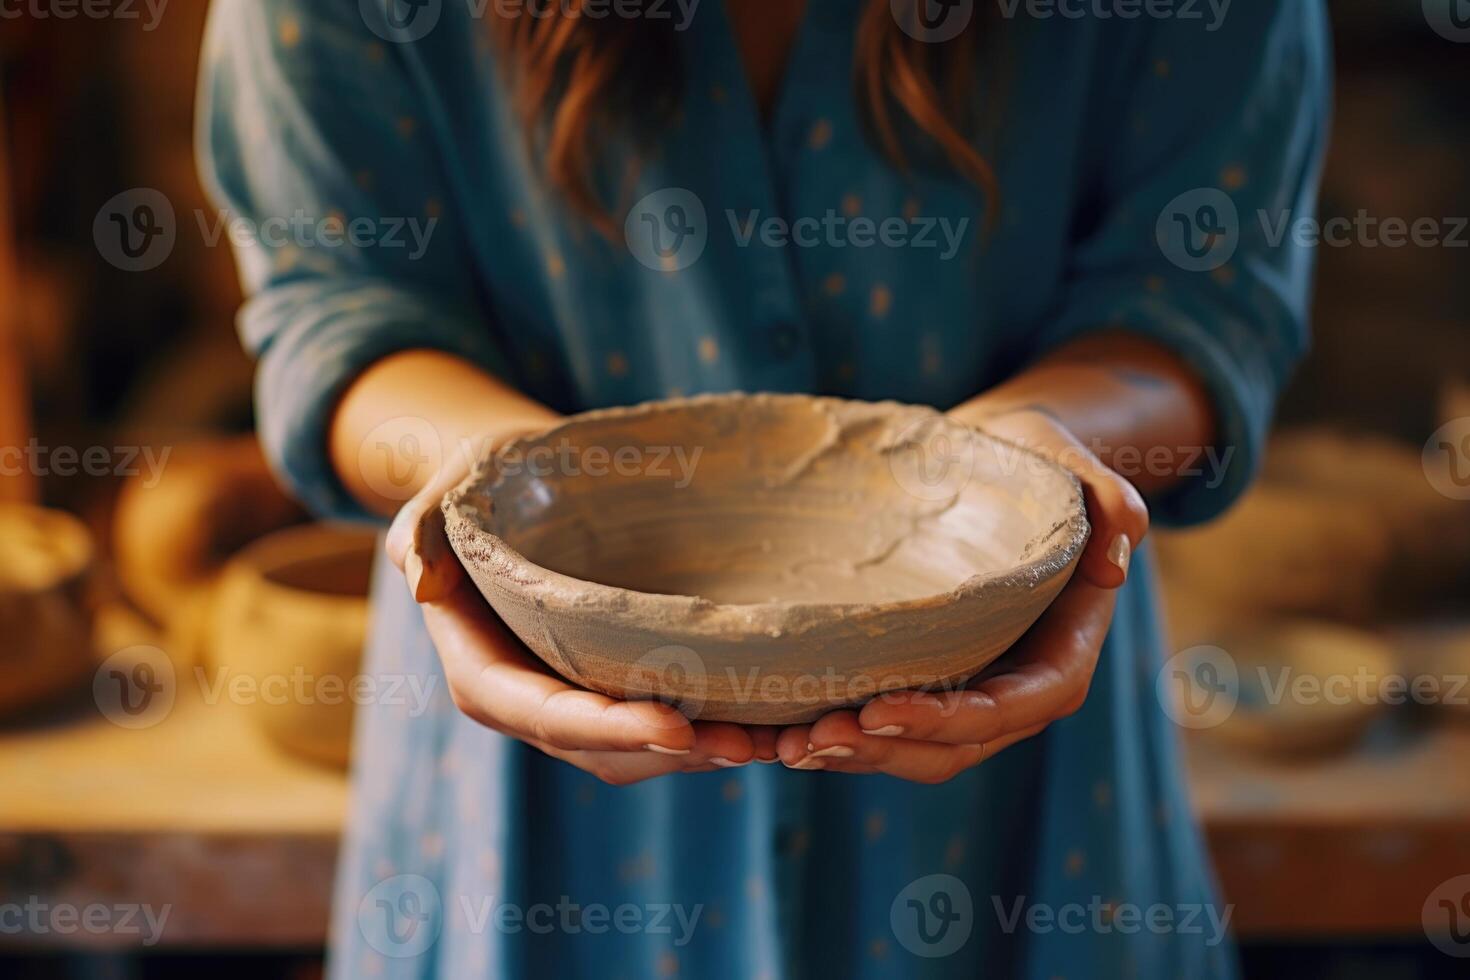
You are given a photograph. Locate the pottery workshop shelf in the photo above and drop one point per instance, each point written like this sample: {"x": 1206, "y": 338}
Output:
{"x": 200, "y": 812}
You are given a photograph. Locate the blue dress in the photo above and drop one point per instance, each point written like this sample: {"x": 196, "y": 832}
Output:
{"x": 1121, "y": 146}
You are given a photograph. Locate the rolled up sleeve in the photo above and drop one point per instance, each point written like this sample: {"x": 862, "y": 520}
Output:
{"x": 317, "y": 155}
{"x": 1219, "y": 132}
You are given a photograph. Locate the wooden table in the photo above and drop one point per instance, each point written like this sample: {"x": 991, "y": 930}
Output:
{"x": 200, "y": 813}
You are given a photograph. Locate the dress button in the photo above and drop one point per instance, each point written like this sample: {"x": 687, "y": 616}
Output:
{"x": 784, "y": 339}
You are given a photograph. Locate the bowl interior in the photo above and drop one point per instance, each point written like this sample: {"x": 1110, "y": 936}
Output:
{"x": 757, "y": 499}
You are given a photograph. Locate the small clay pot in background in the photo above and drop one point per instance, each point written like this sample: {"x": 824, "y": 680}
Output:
{"x": 290, "y": 614}
{"x": 46, "y": 565}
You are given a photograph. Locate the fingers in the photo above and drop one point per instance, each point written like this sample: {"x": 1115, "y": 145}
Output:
{"x": 1115, "y": 508}
{"x": 717, "y": 746}
{"x": 1045, "y": 678}
{"x": 495, "y": 682}
{"x": 1119, "y": 521}
{"x": 835, "y": 743}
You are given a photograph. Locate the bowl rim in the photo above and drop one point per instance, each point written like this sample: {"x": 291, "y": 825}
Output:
{"x": 557, "y": 592}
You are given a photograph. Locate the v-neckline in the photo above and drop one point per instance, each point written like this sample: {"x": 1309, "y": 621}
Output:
{"x": 768, "y": 119}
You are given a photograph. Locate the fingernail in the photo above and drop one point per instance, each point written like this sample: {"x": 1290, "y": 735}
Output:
{"x": 808, "y": 763}
{"x": 665, "y": 750}
{"x": 887, "y": 731}
{"x": 724, "y": 763}
{"x": 835, "y": 752}
{"x": 1120, "y": 552}
{"x": 769, "y": 762}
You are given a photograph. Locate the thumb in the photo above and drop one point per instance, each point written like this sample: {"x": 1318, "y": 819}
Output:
{"x": 417, "y": 544}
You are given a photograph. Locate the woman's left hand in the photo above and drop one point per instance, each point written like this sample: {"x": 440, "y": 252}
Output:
{"x": 929, "y": 737}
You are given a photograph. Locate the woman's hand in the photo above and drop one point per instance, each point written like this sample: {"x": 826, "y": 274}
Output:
{"x": 498, "y": 683}
{"x": 931, "y": 737}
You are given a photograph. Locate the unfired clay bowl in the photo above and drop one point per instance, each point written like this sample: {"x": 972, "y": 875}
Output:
{"x": 766, "y": 558}
{"x": 291, "y": 613}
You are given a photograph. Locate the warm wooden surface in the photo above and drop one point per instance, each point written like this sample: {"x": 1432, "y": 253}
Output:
{"x": 199, "y": 813}
{"x": 1349, "y": 846}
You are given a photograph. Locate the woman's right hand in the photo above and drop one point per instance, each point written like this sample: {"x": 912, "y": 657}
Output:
{"x": 497, "y": 682}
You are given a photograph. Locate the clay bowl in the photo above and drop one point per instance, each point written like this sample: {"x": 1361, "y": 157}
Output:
{"x": 766, "y": 558}
{"x": 46, "y": 563}
{"x": 1306, "y": 687}
{"x": 291, "y": 614}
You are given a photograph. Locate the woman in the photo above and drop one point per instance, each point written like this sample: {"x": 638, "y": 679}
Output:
{"x": 1030, "y": 826}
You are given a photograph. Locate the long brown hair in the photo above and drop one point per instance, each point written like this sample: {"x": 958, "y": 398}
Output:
{"x": 580, "y": 80}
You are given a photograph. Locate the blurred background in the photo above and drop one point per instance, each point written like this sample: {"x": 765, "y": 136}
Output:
{"x": 141, "y": 536}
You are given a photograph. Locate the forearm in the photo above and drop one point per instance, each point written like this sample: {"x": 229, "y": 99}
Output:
{"x": 1132, "y": 402}
{"x": 403, "y": 419}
